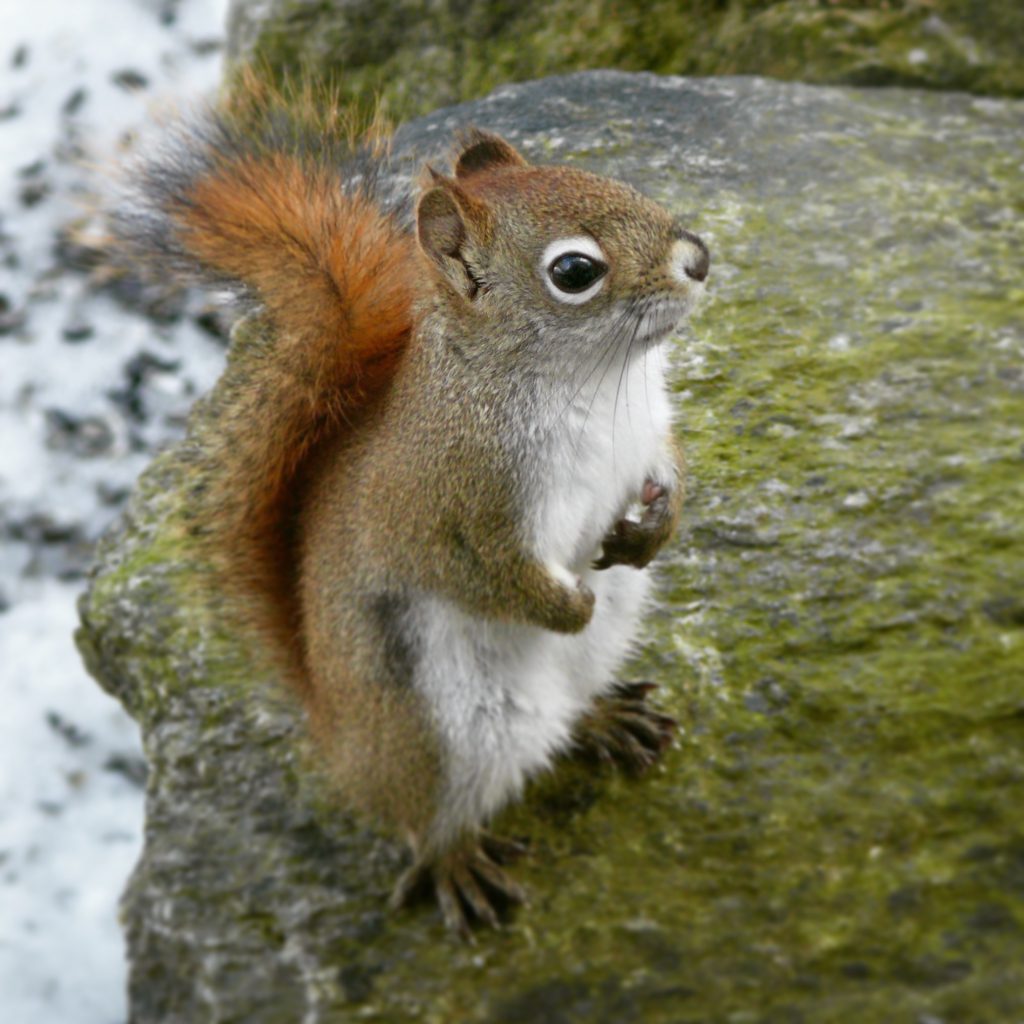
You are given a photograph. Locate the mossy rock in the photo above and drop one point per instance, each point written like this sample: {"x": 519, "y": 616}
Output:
{"x": 416, "y": 56}
{"x": 840, "y": 629}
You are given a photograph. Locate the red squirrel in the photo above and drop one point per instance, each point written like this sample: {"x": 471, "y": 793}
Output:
{"x": 441, "y": 461}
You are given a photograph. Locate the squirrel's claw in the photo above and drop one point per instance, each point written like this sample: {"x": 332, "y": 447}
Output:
{"x": 468, "y": 884}
{"x": 411, "y": 884}
{"x": 502, "y": 849}
{"x": 625, "y": 730}
{"x": 633, "y": 691}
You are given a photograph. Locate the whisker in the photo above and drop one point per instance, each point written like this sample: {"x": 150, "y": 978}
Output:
{"x": 623, "y": 373}
{"x": 609, "y": 351}
{"x": 606, "y": 353}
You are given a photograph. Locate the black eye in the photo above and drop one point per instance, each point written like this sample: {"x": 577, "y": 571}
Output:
{"x": 575, "y": 272}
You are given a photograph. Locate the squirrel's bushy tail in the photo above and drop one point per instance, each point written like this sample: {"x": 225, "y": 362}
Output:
{"x": 276, "y": 199}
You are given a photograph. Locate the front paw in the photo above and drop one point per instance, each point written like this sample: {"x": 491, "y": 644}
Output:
{"x": 574, "y": 613}
{"x": 630, "y": 543}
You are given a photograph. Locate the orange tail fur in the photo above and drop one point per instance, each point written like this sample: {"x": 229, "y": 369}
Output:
{"x": 259, "y": 202}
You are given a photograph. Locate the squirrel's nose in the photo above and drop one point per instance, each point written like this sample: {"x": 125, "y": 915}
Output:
{"x": 690, "y": 256}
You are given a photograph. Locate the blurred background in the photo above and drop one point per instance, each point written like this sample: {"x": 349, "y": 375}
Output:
{"x": 97, "y": 373}
{"x": 92, "y": 382}
{"x": 418, "y": 56}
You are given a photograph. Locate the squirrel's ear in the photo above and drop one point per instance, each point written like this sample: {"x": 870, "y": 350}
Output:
{"x": 484, "y": 151}
{"x": 446, "y": 221}
{"x": 439, "y": 223}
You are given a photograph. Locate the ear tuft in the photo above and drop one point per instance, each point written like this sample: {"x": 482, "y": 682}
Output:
{"x": 485, "y": 151}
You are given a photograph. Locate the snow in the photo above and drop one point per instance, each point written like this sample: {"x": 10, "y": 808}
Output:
{"x": 71, "y": 827}
{"x": 88, "y": 391}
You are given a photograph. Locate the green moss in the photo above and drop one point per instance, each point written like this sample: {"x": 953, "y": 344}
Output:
{"x": 416, "y": 58}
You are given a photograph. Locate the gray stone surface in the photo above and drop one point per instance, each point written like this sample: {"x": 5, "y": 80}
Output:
{"x": 837, "y": 836}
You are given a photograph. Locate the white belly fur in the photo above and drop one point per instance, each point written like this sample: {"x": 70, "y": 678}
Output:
{"x": 505, "y": 697}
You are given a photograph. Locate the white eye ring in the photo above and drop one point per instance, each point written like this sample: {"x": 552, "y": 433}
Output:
{"x": 582, "y": 244}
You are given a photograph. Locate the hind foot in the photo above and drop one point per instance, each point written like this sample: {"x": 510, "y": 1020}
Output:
{"x": 468, "y": 881}
{"x": 624, "y": 730}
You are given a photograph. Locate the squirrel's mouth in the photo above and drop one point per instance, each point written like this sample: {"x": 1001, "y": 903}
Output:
{"x": 660, "y": 317}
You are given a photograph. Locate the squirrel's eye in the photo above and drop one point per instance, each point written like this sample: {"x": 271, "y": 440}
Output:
{"x": 575, "y": 272}
{"x": 573, "y": 269}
